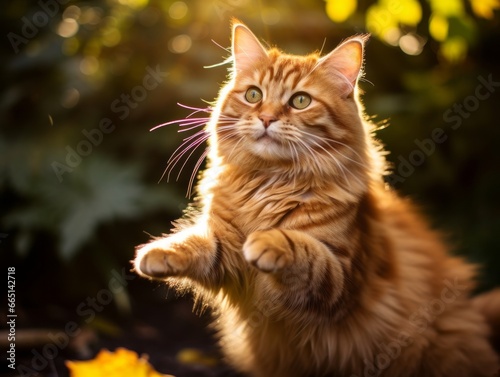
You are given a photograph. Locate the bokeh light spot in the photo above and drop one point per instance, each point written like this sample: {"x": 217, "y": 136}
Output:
{"x": 91, "y": 16}
{"x": 111, "y": 37}
{"x": 454, "y": 49}
{"x": 67, "y": 28}
{"x": 70, "y": 98}
{"x": 271, "y": 16}
{"x": 340, "y": 10}
{"x": 448, "y": 8}
{"x": 180, "y": 44}
{"x": 410, "y": 44}
{"x": 178, "y": 10}
{"x": 134, "y": 4}
{"x": 392, "y": 36}
{"x": 409, "y": 12}
{"x": 73, "y": 12}
{"x": 89, "y": 65}
{"x": 438, "y": 27}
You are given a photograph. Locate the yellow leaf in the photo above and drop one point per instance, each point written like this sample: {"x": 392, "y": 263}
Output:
{"x": 484, "y": 8}
{"x": 438, "y": 27}
{"x": 121, "y": 363}
{"x": 340, "y": 10}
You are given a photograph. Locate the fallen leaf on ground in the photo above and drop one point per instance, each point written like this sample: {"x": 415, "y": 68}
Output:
{"x": 121, "y": 363}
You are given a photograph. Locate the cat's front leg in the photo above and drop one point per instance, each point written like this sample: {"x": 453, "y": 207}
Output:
{"x": 189, "y": 253}
{"x": 298, "y": 262}
{"x": 269, "y": 250}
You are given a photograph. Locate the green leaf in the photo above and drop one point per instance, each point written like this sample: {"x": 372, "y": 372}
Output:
{"x": 104, "y": 191}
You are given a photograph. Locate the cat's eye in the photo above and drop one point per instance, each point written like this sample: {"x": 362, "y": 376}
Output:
{"x": 300, "y": 100}
{"x": 253, "y": 94}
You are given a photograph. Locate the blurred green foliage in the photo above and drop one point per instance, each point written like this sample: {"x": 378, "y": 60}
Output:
{"x": 79, "y": 68}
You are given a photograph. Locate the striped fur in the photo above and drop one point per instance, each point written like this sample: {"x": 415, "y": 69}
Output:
{"x": 313, "y": 267}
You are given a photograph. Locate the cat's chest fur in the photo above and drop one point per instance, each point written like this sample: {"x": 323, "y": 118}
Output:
{"x": 264, "y": 201}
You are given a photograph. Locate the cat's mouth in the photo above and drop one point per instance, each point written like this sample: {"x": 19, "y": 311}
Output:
{"x": 266, "y": 138}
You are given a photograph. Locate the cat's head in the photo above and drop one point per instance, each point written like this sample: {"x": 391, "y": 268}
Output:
{"x": 294, "y": 111}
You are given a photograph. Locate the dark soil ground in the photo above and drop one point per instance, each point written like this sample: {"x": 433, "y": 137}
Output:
{"x": 175, "y": 340}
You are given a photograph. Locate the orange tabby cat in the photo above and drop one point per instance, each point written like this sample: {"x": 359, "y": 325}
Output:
{"x": 312, "y": 265}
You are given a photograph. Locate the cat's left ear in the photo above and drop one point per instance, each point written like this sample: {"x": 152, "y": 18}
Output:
{"x": 247, "y": 50}
{"x": 346, "y": 59}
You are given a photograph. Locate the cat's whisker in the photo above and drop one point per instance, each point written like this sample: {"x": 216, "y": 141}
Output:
{"x": 200, "y": 123}
{"x": 341, "y": 168}
{"x": 185, "y": 143}
{"x": 194, "y": 147}
{"x": 240, "y": 139}
{"x": 295, "y": 161}
{"x": 191, "y": 143}
{"x": 196, "y": 109}
{"x": 182, "y": 122}
{"x": 195, "y": 170}
{"x": 311, "y": 153}
{"x": 191, "y": 127}
{"x": 339, "y": 143}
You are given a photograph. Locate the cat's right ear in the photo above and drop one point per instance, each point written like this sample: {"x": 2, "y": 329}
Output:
{"x": 246, "y": 48}
{"x": 346, "y": 60}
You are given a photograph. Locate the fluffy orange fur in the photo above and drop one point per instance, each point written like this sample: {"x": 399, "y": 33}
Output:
{"x": 311, "y": 264}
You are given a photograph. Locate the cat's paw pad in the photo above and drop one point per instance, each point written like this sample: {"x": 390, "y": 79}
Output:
{"x": 268, "y": 250}
{"x": 159, "y": 260}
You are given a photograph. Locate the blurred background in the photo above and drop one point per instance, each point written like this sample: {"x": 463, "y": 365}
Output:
{"x": 83, "y": 82}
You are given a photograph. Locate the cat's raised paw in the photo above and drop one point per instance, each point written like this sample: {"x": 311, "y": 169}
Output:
{"x": 268, "y": 250}
{"x": 154, "y": 260}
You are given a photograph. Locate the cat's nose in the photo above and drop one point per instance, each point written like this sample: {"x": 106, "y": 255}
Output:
{"x": 267, "y": 119}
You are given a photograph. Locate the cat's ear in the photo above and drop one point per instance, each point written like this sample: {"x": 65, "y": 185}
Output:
{"x": 246, "y": 48}
{"x": 346, "y": 59}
